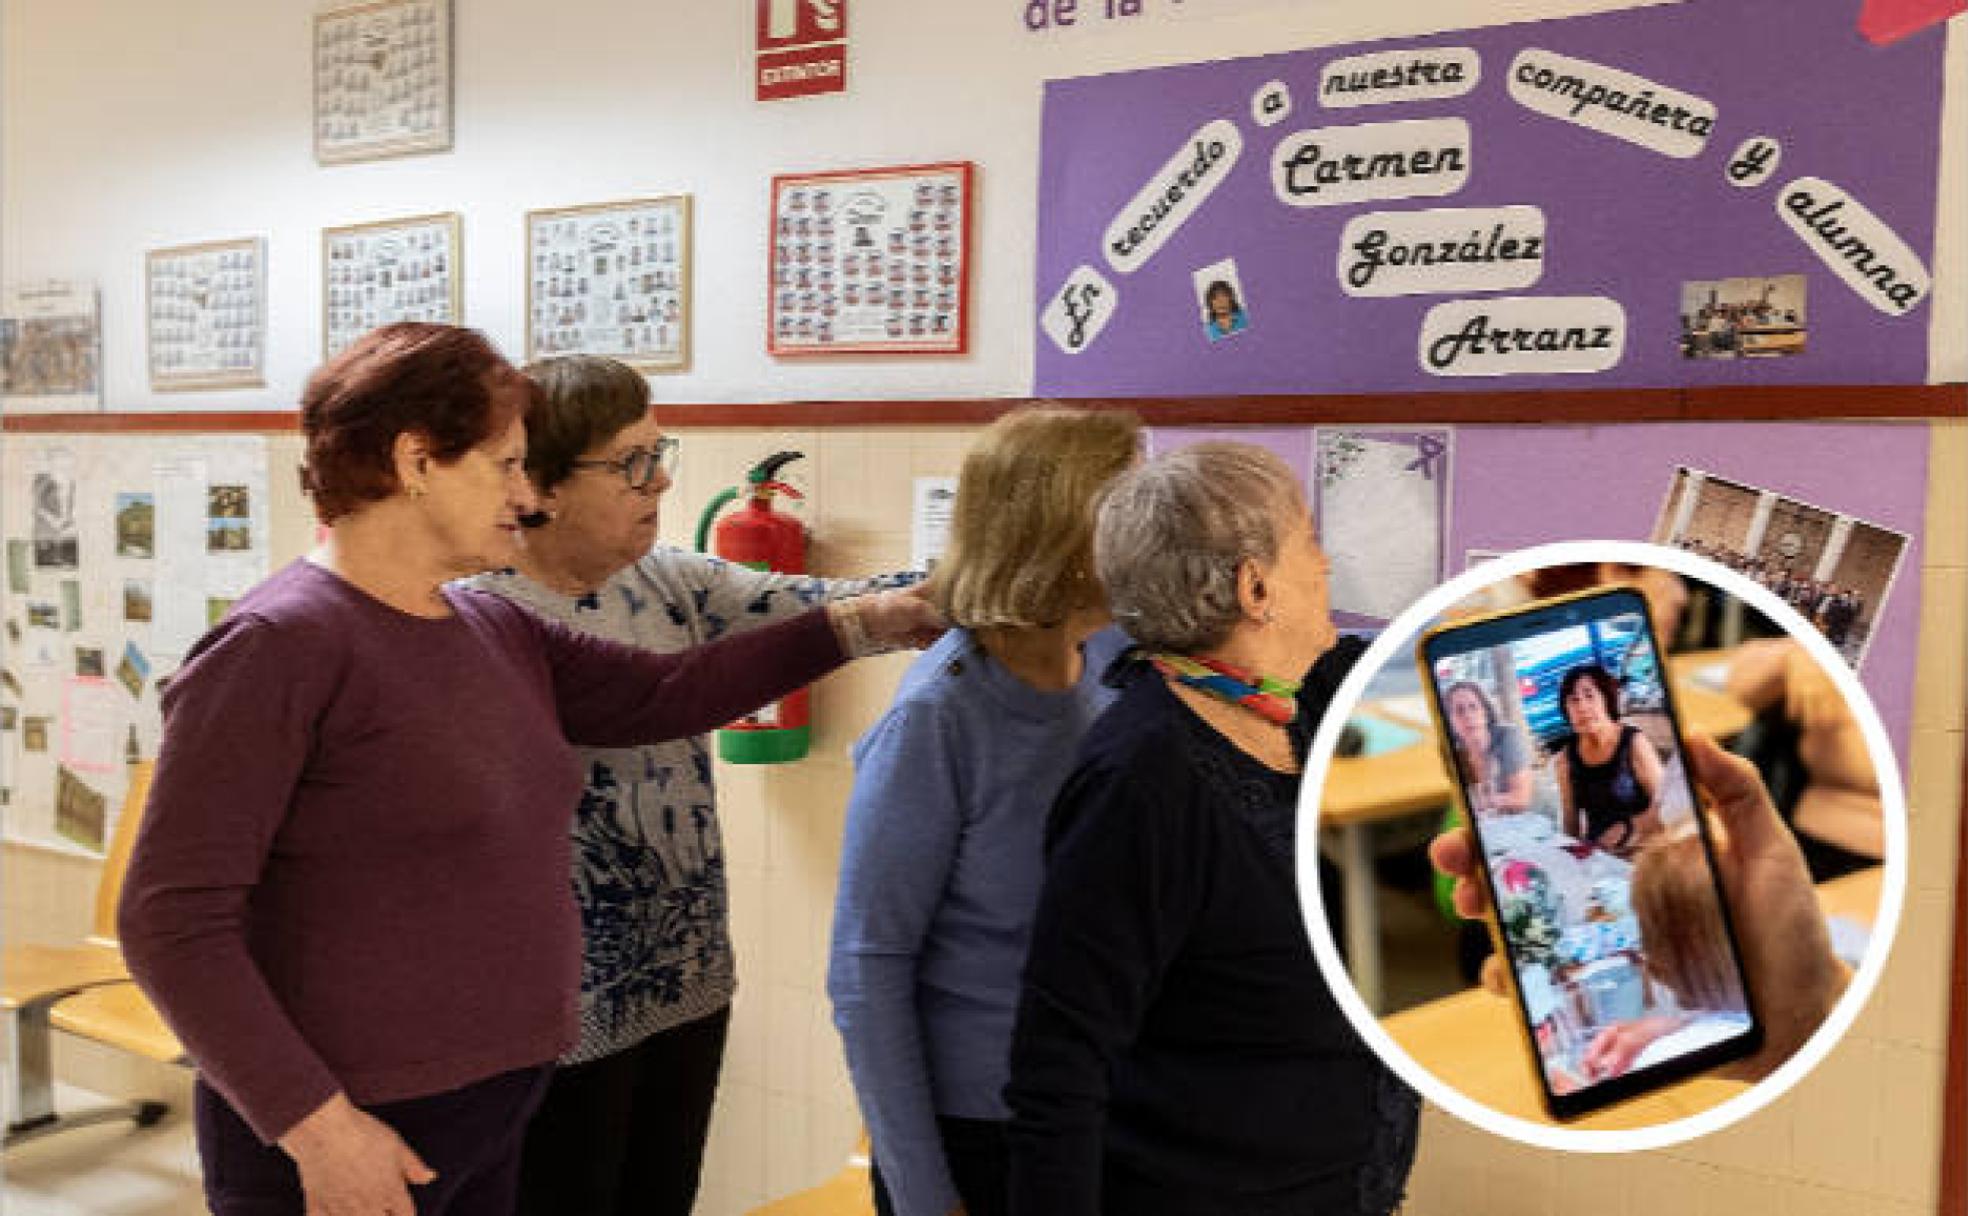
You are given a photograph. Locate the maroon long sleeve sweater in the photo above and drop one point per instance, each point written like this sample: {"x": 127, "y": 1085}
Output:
{"x": 352, "y": 873}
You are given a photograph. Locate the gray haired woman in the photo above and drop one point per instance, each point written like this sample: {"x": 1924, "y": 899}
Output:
{"x": 1176, "y": 1049}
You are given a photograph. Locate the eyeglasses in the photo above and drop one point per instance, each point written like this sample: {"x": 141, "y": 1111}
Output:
{"x": 638, "y": 466}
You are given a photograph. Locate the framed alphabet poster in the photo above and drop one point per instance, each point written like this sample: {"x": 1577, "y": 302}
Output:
{"x": 205, "y": 313}
{"x": 611, "y": 279}
{"x": 871, "y": 261}
{"x": 382, "y": 80}
{"x": 395, "y": 270}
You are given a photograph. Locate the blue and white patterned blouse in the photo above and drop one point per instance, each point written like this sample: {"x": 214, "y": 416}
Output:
{"x": 649, "y": 872}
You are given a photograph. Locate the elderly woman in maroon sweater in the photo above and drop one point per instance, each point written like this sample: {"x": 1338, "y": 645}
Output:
{"x": 350, "y": 894}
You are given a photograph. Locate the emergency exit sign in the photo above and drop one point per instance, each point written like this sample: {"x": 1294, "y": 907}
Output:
{"x": 802, "y": 48}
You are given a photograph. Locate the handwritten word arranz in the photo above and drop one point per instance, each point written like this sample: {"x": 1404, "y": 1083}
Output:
{"x": 1389, "y": 76}
{"x": 1450, "y": 249}
{"x": 1081, "y": 309}
{"x": 1538, "y": 335}
{"x": 1335, "y": 166}
{"x": 1172, "y": 195}
{"x": 1856, "y": 244}
{"x": 1612, "y": 102}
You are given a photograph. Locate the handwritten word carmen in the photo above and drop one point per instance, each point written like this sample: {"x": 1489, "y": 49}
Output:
{"x": 1587, "y": 94}
{"x": 1309, "y": 170}
{"x": 1419, "y": 72}
{"x": 1476, "y": 338}
{"x": 1374, "y": 250}
{"x": 1209, "y": 154}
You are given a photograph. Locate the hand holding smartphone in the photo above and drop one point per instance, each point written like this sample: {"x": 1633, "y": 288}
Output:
{"x": 1560, "y": 726}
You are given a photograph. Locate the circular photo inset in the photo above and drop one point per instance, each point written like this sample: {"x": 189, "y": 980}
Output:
{"x": 1621, "y": 846}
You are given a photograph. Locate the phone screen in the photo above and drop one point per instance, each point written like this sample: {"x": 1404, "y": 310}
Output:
{"x": 1560, "y": 726}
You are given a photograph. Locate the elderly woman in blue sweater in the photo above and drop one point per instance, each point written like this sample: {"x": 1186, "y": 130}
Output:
{"x": 940, "y": 870}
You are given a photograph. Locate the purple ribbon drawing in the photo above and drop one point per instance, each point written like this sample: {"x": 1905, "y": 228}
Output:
{"x": 1431, "y": 449}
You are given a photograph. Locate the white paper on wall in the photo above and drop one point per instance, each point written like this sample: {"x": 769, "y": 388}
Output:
{"x": 1380, "y": 501}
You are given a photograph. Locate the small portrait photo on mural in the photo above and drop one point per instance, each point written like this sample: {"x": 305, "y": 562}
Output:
{"x": 1835, "y": 569}
{"x": 1220, "y": 300}
{"x": 1746, "y": 318}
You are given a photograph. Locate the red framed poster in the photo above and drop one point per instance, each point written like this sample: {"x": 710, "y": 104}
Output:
{"x": 871, "y": 261}
{"x": 802, "y": 48}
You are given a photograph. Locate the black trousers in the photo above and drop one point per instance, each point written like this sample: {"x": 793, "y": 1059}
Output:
{"x": 625, "y": 1134}
{"x": 470, "y": 1136}
{"x": 980, "y": 1163}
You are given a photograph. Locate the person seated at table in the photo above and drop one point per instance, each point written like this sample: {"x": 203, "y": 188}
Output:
{"x": 1794, "y": 977}
{"x": 1815, "y": 758}
{"x": 1177, "y": 1051}
{"x": 1609, "y": 775}
{"x": 1492, "y": 754}
{"x": 1684, "y": 942}
{"x": 941, "y": 863}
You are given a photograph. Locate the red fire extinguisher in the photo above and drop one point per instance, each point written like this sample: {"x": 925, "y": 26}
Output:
{"x": 762, "y": 539}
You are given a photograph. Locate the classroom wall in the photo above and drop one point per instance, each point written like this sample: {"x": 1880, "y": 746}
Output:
{"x": 124, "y": 127}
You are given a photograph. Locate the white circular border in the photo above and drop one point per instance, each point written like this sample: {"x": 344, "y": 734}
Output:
{"x": 1400, "y": 635}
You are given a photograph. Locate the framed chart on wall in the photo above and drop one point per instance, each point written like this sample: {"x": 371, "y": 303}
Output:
{"x": 391, "y": 270}
{"x": 871, "y": 261}
{"x": 611, "y": 279}
{"x": 50, "y": 348}
{"x": 205, "y": 315}
{"x": 382, "y": 80}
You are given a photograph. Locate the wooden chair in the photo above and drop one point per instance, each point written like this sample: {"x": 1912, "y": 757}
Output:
{"x": 85, "y": 990}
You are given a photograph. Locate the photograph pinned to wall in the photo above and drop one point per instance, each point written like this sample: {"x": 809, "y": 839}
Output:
{"x": 71, "y": 601}
{"x": 1380, "y": 500}
{"x": 873, "y": 261}
{"x": 9, "y": 718}
{"x": 137, "y": 601}
{"x": 391, "y": 270}
{"x": 1835, "y": 569}
{"x": 1748, "y": 318}
{"x": 55, "y": 533}
{"x": 34, "y": 734}
{"x": 50, "y": 348}
{"x": 19, "y": 560}
{"x": 934, "y": 505}
{"x": 611, "y": 279}
{"x": 133, "y": 670}
{"x": 216, "y": 607}
{"x": 89, "y": 663}
{"x": 81, "y": 814}
{"x": 1220, "y": 298}
{"x": 228, "y": 523}
{"x": 206, "y": 315}
{"x": 43, "y": 614}
{"x": 136, "y": 525}
{"x": 382, "y": 80}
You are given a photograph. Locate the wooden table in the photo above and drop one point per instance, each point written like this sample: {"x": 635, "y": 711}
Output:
{"x": 1364, "y": 790}
{"x": 1473, "y": 1043}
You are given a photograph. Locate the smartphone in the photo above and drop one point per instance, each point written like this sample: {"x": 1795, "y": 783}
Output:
{"x": 1558, "y": 723}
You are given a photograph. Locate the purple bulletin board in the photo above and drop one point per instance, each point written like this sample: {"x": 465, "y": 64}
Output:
{"x": 1624, "y": 227}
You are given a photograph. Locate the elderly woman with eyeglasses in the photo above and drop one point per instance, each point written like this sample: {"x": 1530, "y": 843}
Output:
{"x": 624, "y": 1121}
{"x": 1177, "y": 1052}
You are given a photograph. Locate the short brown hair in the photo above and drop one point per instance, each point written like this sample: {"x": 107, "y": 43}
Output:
{"x": 1683, "y": 936}
{"x": 1021, "y": 536}
{"x": 410, "y": 376}
{"x": 585, "y": 400}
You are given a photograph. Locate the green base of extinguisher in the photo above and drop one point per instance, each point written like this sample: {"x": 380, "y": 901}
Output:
{"x": 764, "y": 746}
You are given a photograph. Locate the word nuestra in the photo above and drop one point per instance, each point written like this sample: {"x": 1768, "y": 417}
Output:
{"x": 1390, "y": 76}
{"x": 1335, "y": 166}
{"x": 1084, "y": 305}
{"x": 1172, "y": 195}
{"x": 1856, "y": 244}
{"x": 1612, "y": 102}
{"x": 1450, "y": 249}
{"x": 1539, "y": 335}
